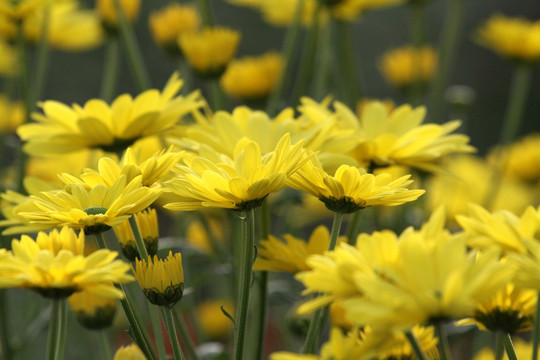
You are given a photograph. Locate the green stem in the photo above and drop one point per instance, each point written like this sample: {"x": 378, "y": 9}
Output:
{"x": 133, "y": 51}
{"x": 56, "y": 338}
{"x": 536, "y": 329}
{"x": 509, "y": 347}
{"x": 417, "y": 349}
{"x": 521, "y": 81}
{"x": 444, "y": 347}
{"x": 499, "y": 345}
{"x": 324, "y": 53}
{"x": 5, "y": 330}
{"x": 446, "y": 55}
{"x": 185, "y": 74}
{"x": 184, "y": 335}
{"x": 348, "y": 63}
{"x": 244, "y": 281}
{"x": 110, "y": 71}
{"x": 289, "y": 47}
{"x": 166, "y": 313}
{"x": 206, "y": 14}
{"x": 139, "y": 242}
{"x": 417, "y": 40}
{"x": 42, "y": 55}
{"x": 218, "y": 97}
{"x": 316, "y": 324}
{"x": 352, "y": 230}
{"x": 104, "y": 344}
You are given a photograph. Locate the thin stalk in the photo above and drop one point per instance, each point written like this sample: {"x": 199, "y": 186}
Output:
{"x": 521, "y": 81}
{"x": 316, "y": 324}
{"x": 184, "y": 335}
{"x": 185, "y": 74}
{"x": 206, "y": 14}
{"x": 244, "y": 281}
{"x": 352, "y": 230}
{"x": 499, "y": 345}
{"x": 417, "y": 349}
{"x": 42, "y": 55}
{"x": 444, "y": 347}
{"x": 446, "y": 55}
{"x": 289, "y": 47}
{"x": 219, "y": 101}
{"x": 110, "y": 71}
{"x": 417, "y": 37}
{"x": 324, "y": 60}
{"x": 348, "y": 63}
{"x": 139, "y": 242}
{"x": 536, "y": 330}
{"x": 133, "y": 51}
{"x": 104, "y": 344}
{"x": 56, "y": 337}
{"x": 5, "y": 330}
{"x": 168, "y": 319}
{"x": 509, "y": 347}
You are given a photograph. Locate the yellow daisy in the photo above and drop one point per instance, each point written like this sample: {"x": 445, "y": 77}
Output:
{"x": 519, "y": 160}
{"x": 54, "y": 265}
{"x": 167, "y": 24}
{"x": 108, "y": 15}
{"x": 148, "y": 226}
{"x": 11, "y": 113}
{"x": 406, "y": 66}
{"x": 130, "y": 352}
{"x": 92, "y": 311}
{"x": 113, "y": 128}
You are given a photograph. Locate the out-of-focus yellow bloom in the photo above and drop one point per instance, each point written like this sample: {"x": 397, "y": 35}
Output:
{"x": 172, "y": 21}
{"x": 350, "y": 10}
{"x": 252, "y": 78}
{"x": 212, "y": 320}
{"x": 407, "y": 66}
{"x": 351, "y": 188}
{"x": 291, "y": 256}
{"x": 516, "y": 38}
{"x": 162, "y": 280}
{"x": 19, "y": 10}
{"x": 8, "y": 64}
{"x": 54, "y": 265}
{"x": 200, "y": 238}
{"x": 209, "y": 51}
{"x": 520, "y": 160}
{"x": 523, "y": 351}
{"x": 240, "y": 183}
{"x": 47, "y": 168}
{"x": 62, "y": 129}
{"x": 11, "y": 113}
{"x": 148, "y": 226}
{"x": 92, "y": 310}
{"x": 130, "y": 352}
{"x": 108, "y": 15}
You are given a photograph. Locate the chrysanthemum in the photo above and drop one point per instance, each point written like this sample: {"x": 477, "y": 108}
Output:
{"x": 351, "y": 188}
{"x": 113, "y": 128}
{"x": 11, "y": 113}
{"x": 516, "y": 38}
{"x": 406, "y": 66}
{"x": 108, "y": 15}
{"x": 148, "y": 226}
{"x": 291, "y": 256}
{"x": 162, "y": 280}
{"x": 212, "y": 319}
{"x": 22, "y": 8}
{"x": 252, "y": 78}
{"x": 519, "y": 160}
{"x": 92, "y": 311}
{"x": 130, "y": 352}
{"x": 523, "y": 351}
{"x": 55, "y": 266}
{"x": 240, "y": 183}
{"x": 167, "y": 24}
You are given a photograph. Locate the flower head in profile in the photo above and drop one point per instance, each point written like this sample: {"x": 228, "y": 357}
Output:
{"x": 11, "y": 113}
{"x": 112, "y": 128}
{"x": 109, "y": 16}
{"x": 407, "y": 66}
{"x": 515, "y": 38}
{"x": 252, "y": 78}
{"x": 55, "y": 266}
{"x": 351, "y": 188}
{"x": 130, "y": 352}
{"x": 239, "y": 183}
{"x": 19, "y": 10}
{"x": 148, "y": 226}
{"x": 93, "y": 311}
{"x": 209, "y": 51}
{"x": 519, "y": 160}
{"x": 162, "y": 280}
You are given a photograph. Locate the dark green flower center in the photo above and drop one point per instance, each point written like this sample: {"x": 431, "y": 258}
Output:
{"x": 344, "y": 205}
{"x": 97, "y": 228}
{"x": 118, "y": 145}
{"x": 101, "y": 318}
{"x": 169, "y": 297}
{"x": 250, "y": 204}
{"x": 508, "y": 321}
{"x": 55, "y": 293}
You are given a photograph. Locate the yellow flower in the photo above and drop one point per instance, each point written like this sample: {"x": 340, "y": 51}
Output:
{"x": 162, "y": 281}
{"x": 523, "y": 351}
{"x": 199, "y": 237}
{"x": 351, "y": 188}
{"x": 130, "y": 352}
{"x": 8, "y": 64}
{"x": 516, "y": 38}
{"x": 406, "y": 66}
{"x": 18, "y": 10}
{"x": 11, "y": 113}
{"x": 212, "y": 320}
{"x": 274, "y": 255}
{"x": 108, "y": 15}
{"x": 350, "y": 10}
{"x": 209, "y": 51}
{"x": 528, "y": 264}
{"x": 94, "y": 209}
{"x": 92, "y": 311}
{"x": 241, "y": 183}
{"x": 252, "y": 78}
{"x": 281, "y": 14}
{"x": 148, "y": 226}
{"x": 47, "y": 168}
{"x": 520, "y": 160}
{"x": 113, "y": 128}
{"x": 54, "y": 265}
{"x": 168, "y": 24}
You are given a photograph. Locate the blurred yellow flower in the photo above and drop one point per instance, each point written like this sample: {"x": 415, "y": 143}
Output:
{"x": 520, "y": 160}
{"x": 406, "y": 66}
{"x": 130, "y": 352}
{"x": 252, "y": 78}
{"x": 212, "y": 320}
{"x": 281, "y": 14}
{"x": 62, "y": 129}
{"x": 197, "y": 234}
{"x": 92, "y": 311}
{"x": 11, "y": 113}
{"x": 516, "y": 38}
{"x": 8, "y": 64}
{"x": 162, "y": 280}
{"x": 209, "y": 51}
{"x": 523, "y": 351}
{"x": 167, "y": 24}
{"x": 148, "y": 226}
{"x": 108, "y": 15}
{"x": 54, "y": 265}
{"x": 47, "y": 168}
{"x": 19, "y": 10}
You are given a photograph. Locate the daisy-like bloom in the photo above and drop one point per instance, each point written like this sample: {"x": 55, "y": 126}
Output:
{"x": 212, "y": 320}
{"x": 11, "y": 113}
{"x": 281, "y": 15}
{"x": 201, "y": 238}
{"x": 8, "y": 62}
{"x": 351, "y": 188}
{"x": 61, "y": 128}
{"x": 209, "y": 51}
{"x": 148, "y": 226}
{"x": 521, "y": 159}
{"x": 407, "y": 66}
{"x": 91, "y": 310}
{"x": 19, "y": 10}
{"x": 291, "y": 256}
{"x": 54, "y": 265}
{"x": 515, "y": 38}
{"x": 162, "y": 280}
{"x": 252, "y": 78}
{"x": 93, "y": 209}
{"x": 130, "y": 352}
{"x": 109, "y": 17}
{"x": 239, "y": 183}
{"x": 167, "y": 24}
